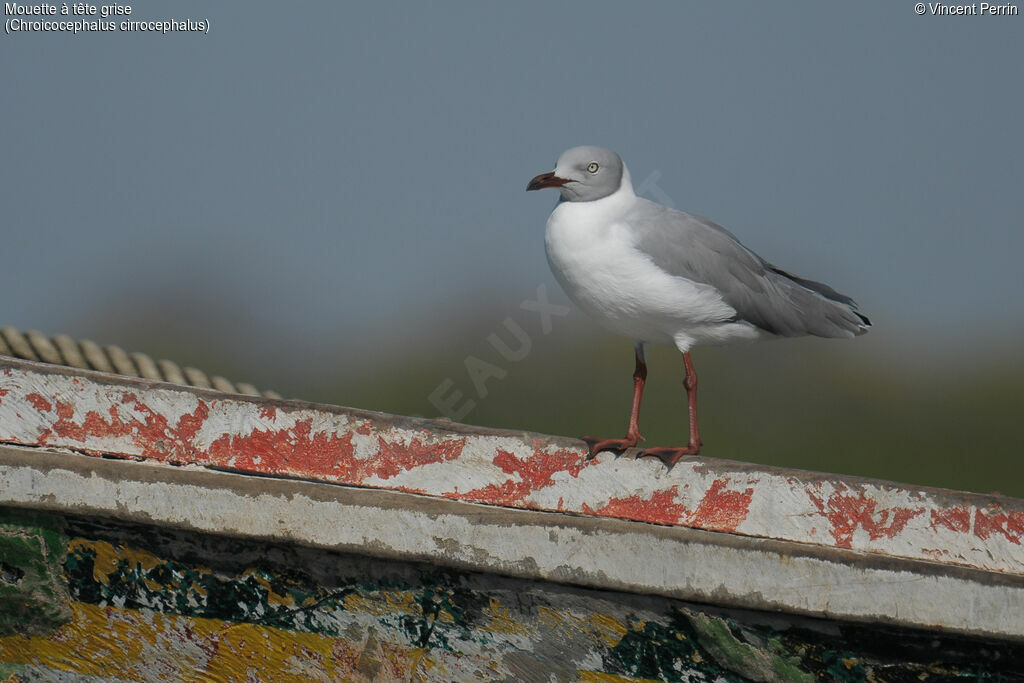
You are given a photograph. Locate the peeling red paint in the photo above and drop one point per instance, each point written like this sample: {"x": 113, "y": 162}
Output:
{"x": 722, "y": 509}
{"x": 1009, "y": 525}
{"x": 268, "y": 412}
{"x": 395, "y": 457}
{"x": 295, "y": 451}
{"x": 535, "y": 472}
{"x": 154, "y": 437}
{"x": 955, "y": 518}
{"x": 659, "y": 508}
{"x": 847, "y": 512}
{"x": 39, "y": 403}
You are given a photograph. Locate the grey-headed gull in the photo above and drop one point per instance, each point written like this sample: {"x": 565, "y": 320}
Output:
{"x": 661, "y": 276}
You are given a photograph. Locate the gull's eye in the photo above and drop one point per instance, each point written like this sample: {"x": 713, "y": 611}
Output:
{"x": 592, "y": 167}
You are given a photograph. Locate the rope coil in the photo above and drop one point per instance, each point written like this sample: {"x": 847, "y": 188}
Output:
{"x": 88, "y": 355}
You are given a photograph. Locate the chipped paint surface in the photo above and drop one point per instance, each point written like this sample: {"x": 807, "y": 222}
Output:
{"x": 100, "y": 414}
{"x": 172, "y": 606}
{"x": 610, "y": 554}
{"x": 33, "y": 598}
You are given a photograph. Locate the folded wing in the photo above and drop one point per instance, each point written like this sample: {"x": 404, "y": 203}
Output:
{"x": 763, "y": 295}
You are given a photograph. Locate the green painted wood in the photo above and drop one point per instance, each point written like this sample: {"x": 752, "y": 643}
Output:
{"x": 33, "y": 594}
{"x": 468, "y": 626}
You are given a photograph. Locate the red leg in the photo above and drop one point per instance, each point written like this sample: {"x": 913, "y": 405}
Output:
{"x": 633, "y": 430}
{"x": 670, "y": 456}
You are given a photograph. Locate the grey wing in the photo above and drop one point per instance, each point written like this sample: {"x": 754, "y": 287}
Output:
{"x": 761, "y": 294}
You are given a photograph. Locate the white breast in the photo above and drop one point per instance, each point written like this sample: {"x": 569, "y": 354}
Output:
{"x": 592, "y": 255}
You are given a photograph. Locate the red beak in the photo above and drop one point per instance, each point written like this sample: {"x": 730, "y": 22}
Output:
{"x": 546, "y": 180}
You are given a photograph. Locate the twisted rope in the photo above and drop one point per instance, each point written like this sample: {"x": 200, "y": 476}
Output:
{"x": 88, "y": 355}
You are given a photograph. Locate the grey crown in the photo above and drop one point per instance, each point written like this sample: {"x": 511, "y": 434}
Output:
{"x": 588, "y": 186}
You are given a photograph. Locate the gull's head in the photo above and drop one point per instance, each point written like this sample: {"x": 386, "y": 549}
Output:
{"x": 583, "y": 174}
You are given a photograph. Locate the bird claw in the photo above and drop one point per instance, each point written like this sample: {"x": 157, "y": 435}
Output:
{"x": 596, "y": 445}
{"x": 668, "y": 455}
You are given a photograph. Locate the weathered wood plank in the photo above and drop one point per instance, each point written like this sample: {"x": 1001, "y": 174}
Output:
{"x": 100, "y": 414}
{"x": 458, "y": 553}
{"x": 723, "y": 569}
{"x": 153, "y": 604}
